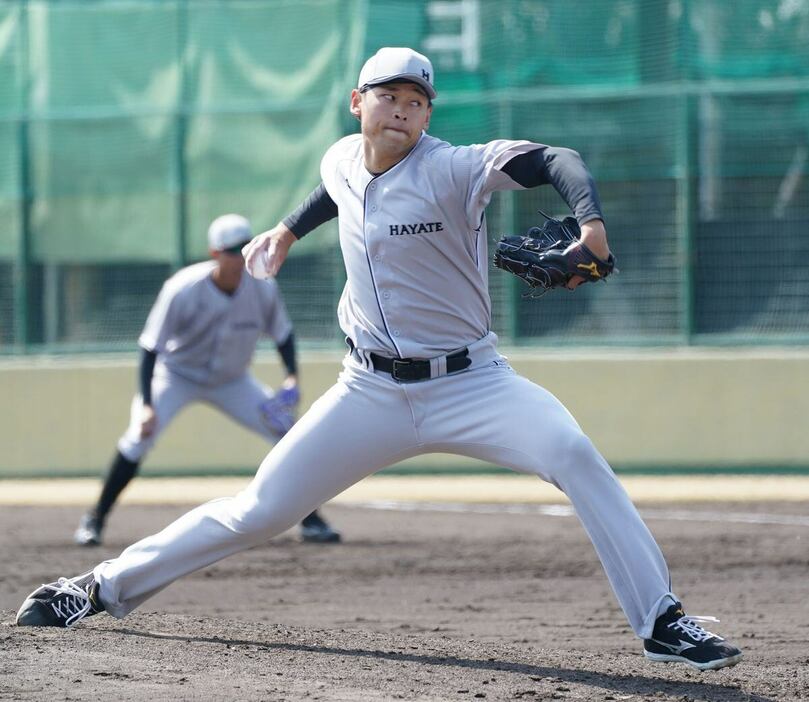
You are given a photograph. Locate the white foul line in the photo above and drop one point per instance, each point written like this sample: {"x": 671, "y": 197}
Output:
{"x": 679, "y": 515}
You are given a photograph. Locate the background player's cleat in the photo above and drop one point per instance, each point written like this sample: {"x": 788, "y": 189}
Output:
{"x": 678, "y": 638}
{"x": 315, "y": 530}
{"x": 63, "y": 603}
{"x": 89, "y": 531}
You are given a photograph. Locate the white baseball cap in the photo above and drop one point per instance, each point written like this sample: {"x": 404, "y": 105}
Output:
{"x": 228, "y": 232}
{"x": 395, "y": 63}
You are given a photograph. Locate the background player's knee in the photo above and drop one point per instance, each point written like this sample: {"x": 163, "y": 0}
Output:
{"x": 134, "y": 449}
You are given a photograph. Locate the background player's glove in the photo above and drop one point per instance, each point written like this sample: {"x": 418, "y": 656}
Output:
{"x": 550, "y": 256}
{"x": 289, "y": 397}
{"x": 279, "y": 410}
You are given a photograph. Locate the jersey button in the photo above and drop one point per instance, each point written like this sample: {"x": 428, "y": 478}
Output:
{"x": 377, "y": 258}
{"x": 386, "y": 294}
{"x": 373, "y": 186}
{"x": 396, "y": 332}
{"x": 373, "y": 209}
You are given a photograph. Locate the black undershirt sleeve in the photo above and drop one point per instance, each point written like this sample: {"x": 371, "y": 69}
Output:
{"x": 147, "y": 361}
{"x": 317, "y": 208}
{"x": 565, "y": 171}
{"x": 287, "y": 353}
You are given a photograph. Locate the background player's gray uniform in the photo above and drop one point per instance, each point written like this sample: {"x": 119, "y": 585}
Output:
{"x": 414, "y": 244}
{"x": 205, "y": 340}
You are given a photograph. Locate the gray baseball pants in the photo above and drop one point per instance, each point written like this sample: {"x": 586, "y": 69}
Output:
{"x": 367, "y": 421}
{"x": 242, "y": 399}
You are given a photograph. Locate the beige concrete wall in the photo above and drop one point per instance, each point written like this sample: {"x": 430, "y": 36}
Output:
{"x": 647, "y": 408}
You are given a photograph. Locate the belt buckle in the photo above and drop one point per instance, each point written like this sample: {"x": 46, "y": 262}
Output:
{"x": 402, "y": 364}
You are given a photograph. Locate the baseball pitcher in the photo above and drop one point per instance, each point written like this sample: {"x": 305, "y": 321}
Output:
{"x": 423, "y": 373}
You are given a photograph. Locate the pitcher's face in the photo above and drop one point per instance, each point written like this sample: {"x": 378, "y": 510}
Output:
{"x": 393, "y": 115}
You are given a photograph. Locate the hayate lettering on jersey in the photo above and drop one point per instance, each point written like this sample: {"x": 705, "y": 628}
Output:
{"x": 418, "y": 228}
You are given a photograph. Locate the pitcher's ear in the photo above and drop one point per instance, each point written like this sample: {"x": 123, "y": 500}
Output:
{"x": 356, "y": 101}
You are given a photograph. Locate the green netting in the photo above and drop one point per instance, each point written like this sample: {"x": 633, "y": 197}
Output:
{"x": 127, "y": 125}
{"x": 103, "y": 188}
{"x": 10, "y": 190}
{"x": 149, "y": 119}
{"x": 86, "y": 57}
{"x": 10, "y": 104}
{"x": 746, "y": 38}
{"x": 232, "y": 158}
{"x": 12, "y": 56}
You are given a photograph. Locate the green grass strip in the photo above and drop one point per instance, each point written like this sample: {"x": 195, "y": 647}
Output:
{"x": 426, "y": 470}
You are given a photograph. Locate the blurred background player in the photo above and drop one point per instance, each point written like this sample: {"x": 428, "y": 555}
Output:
{"x": 197, "y": 346}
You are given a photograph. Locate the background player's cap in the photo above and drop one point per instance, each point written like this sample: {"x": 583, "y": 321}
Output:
{"x": 230, "y": 231}
{"x": 396, "y": 63}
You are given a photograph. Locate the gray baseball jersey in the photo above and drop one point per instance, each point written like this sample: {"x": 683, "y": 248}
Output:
{"x": 207, "y": 336}
{"x": 205, "y": 340}
{"x": 414, "y": 243}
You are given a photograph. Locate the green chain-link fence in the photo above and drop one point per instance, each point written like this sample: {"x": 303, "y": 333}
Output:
{"x": 126, "y": 125}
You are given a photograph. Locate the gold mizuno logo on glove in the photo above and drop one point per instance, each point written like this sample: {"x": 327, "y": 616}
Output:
{"x": 591, "y": 268}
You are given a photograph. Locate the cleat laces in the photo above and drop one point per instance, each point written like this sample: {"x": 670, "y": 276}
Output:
{"x": 74, "y": 603}
{"x": 689, "y": 625}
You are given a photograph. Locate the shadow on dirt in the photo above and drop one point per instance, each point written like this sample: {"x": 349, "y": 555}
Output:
{"x": 631, "y": 684}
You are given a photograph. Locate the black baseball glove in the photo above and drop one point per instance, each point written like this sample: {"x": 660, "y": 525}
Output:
{"x": 550, "y": 256}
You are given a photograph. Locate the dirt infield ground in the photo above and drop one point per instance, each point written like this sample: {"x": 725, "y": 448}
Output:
{"x": 434, "y": 602}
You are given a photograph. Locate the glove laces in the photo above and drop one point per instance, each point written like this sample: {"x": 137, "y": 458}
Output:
{"x": 75, "y": 603}
{"x": 689, "y": 625}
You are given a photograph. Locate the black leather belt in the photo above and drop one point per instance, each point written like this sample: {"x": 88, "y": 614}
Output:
{"x": 408, "y": 370}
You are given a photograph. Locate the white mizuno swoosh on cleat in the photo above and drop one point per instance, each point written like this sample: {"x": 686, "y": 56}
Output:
{"x": 684, "y": 645}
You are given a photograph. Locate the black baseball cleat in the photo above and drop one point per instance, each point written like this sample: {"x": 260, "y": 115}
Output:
{"x": 678, "y": 638}
{"x": 63, "y": 603}
{"x": 315, "y": 530}
{"x": 89, "y": 531}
